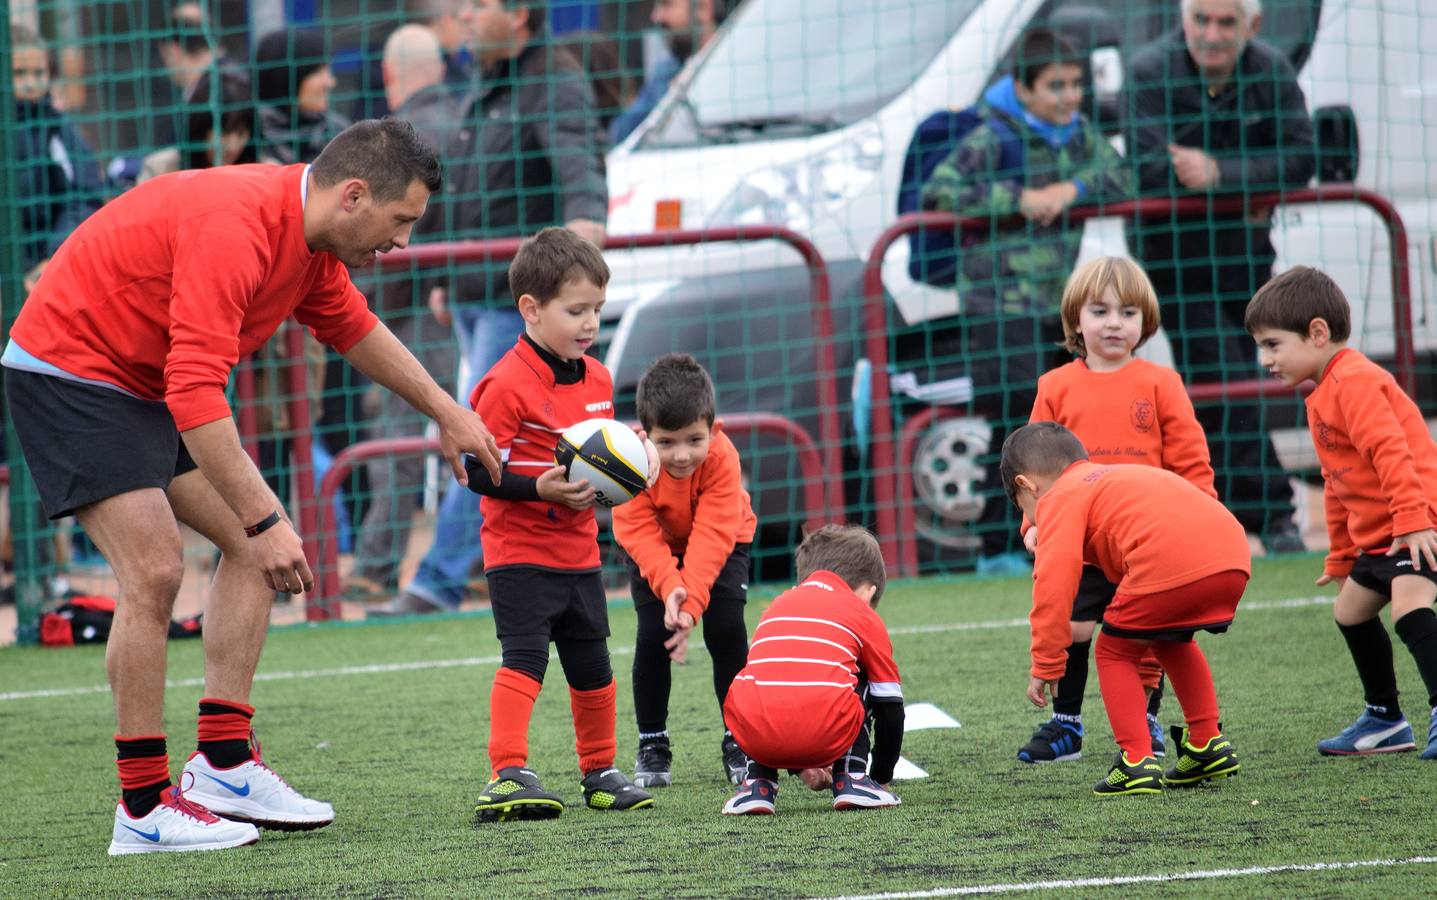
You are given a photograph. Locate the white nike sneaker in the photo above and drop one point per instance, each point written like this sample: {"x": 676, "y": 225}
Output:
{"x": 177, "y": 824}
{"x": 253, "y": 792}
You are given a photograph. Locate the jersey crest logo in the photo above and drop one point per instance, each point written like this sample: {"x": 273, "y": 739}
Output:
{"x": 1142, "y": 415}
{"x": 1323, "y": 433}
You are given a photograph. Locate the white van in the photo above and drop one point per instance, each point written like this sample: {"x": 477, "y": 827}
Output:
{"x": 798, "y": 114}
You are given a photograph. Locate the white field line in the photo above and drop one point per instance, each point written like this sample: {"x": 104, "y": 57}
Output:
{"x": 424, "y": 665}
{"x": 1115, "y": 880}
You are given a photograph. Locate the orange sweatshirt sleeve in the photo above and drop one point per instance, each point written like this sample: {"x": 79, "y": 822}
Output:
{"x": 1056, "y": 574}
{"x": 1185, "y": 450}
{"x": 220, "y": 260}
{"x": 1341, "y": 550}
{"x": 1372, "y": 423}
{"x": 636, "y": 528}
{"x": 716, "y": 522}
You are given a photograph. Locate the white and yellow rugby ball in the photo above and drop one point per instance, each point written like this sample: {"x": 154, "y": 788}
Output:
{"x": 607, "y": 454}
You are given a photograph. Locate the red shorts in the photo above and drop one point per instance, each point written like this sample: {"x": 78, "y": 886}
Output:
{"x": 787, "y": 729}
{"x": 1207, "y": 604}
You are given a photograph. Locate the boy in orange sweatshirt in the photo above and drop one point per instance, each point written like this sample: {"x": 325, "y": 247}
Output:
{"x": 1124, "y": 410}
{"x": 1135, "y": 523}
{"x": 688, "y": 539}
{"x": 1379, "y": 466}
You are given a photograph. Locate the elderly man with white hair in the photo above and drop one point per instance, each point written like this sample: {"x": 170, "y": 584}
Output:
{"x": 1212, "y": 111}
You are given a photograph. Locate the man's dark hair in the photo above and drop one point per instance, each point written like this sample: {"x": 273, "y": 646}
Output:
{"x": 1041, "y": 448}
{"x": 1293, "y": 299}
{"x": 1039, "y": 48}
{"x": 187, "y": 31}
{"x": 386, "y": 153}
{"x": 538, "y": 13}
{"x": 551, "y": 259}
{"x": 848, "y": 551}
{"x": 675, "y": 392}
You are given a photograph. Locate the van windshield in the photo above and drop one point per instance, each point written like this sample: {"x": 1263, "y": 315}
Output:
{"x": 786, "y": 68}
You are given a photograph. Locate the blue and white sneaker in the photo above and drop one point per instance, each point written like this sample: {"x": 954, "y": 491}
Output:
{"x": 857, "y": 791}
{"x": 1054, "y": 741}
{"x": 754, "y": 798}
{"x": 253, "y": 792}
{"x": 1368, "y": 735}
{"x": 176, "y": 825}
{"x": 1431, "y": 751}
{"x": 1155, "y": 728}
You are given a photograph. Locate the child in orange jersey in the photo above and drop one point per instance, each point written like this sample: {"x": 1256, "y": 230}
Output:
{"x": 1136, "y": 524}
{"x": 1380, "y": 468}
{"x": 1124, "y": 410}
{"x": 687, "y": 538}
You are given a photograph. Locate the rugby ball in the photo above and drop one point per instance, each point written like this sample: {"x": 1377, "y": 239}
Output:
{"x": 608, "y": 455}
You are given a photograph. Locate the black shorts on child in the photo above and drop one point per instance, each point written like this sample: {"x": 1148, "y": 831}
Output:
{"x": 731, "y": 584}
{"x": 1375, "y": 571}
{"x": 562, "y": 605}
{"x": 1095, "y": 592}
{"x": 84, "y": 443}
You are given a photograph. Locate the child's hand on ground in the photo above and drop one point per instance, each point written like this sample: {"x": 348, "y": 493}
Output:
{"x": 1036, "y": 686}
{"x": 1422, "y": 545}
{"x": 817, "y": 779}
{"x": 554, "y": 487}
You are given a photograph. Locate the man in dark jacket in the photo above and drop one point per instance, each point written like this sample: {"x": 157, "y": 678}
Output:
{"x": 1213, "y": 112}
{"x": 527, "y": 156}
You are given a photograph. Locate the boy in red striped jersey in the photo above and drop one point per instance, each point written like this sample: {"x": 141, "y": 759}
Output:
{"x": 820, "y": 673}
{"x": 541, "y": 551}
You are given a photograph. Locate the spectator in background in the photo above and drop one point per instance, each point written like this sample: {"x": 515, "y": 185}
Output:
{"x": 187, "y": 49}
{"x": 1213, "y": 111}
{"x": 199, "y": 146}
{"x": 442, "y": 18}
{"x": 415, "y": 89}
{"x": 1033, "y": 155}
{"x": 527, "y": 156}
{"x": 599, "y": 55}
{"x": 688, "y": 27}
{"x": 57, "y": 179}
{"x": 293, "y": 83}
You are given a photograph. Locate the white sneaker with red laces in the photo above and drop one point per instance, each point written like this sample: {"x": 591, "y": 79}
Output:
{"x": 253, "y": 792}
{"x": 177, "y": 824}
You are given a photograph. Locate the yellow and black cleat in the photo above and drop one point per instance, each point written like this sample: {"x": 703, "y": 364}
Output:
{"x": 1142, "y": 777}
{"x": 608, "y": 789}
{"x": 1215, "y": 759}
{"x": 516, "y": 794}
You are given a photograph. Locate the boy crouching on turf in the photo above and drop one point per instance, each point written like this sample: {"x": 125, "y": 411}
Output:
{"x": 1379, "y": 466}
{"x": 820, "y": 669}
{"x": 541, "y": 551}
{"x": 687, "y": 538}
{"x": 1135, "y": 523}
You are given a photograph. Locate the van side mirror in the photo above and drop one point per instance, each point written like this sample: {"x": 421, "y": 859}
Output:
{"x": 1337, "y": 147}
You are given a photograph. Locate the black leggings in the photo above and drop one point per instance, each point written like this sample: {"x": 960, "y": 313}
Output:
{"x": 585, "y": 662}
{"x": 725, "y": 636}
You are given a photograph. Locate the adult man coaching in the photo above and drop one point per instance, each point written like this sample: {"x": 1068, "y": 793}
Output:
{"x": 117, "y": 367}
{"x": 1213, "y": 111}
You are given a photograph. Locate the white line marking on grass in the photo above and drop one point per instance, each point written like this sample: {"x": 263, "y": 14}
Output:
{"x": 1200, "y": 875}
{"x": 422, "y": 665}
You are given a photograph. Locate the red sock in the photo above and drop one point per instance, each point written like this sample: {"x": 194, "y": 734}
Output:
{"x": 144, "y": 766}
{"x": 1192, "y": 681}
{"x": 511, "y": 705}
{"x": 1121, "y": 683}
{"x": 595, "y": 713}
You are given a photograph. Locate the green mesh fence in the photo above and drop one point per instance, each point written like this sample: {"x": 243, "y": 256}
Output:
{"x": 872, "y": 381}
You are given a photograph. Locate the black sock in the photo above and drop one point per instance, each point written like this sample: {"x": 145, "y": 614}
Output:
{"x": 1418, "y": 630}
{"x": 1155, "y": 702}
{"x": 1371, "y": 650}
{"x": 141, "y": 800}
{"x": 228, "y": 753}
{"x": 1074, "y": 682}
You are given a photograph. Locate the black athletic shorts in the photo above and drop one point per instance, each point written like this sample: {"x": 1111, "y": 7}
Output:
{"x": 531, "y": 600}
{"x": 1375, "y": 571}
{"x": 731, "y": 584}
{"x": 1095, "y": 592}
{"x": 84, "y": 443}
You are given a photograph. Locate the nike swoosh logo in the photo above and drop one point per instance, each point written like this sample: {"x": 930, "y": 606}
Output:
{"x": 147, "y": 835}
{"x": 240, "y": 790}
